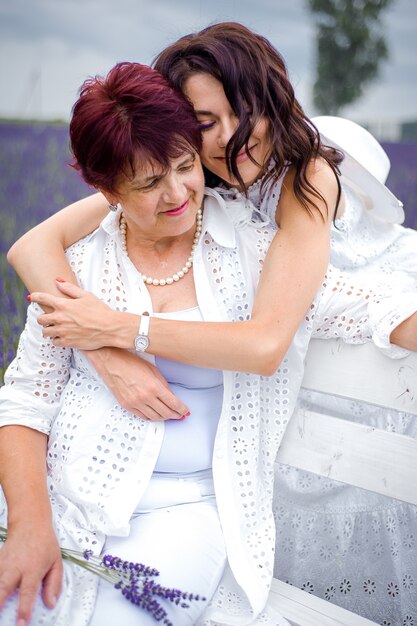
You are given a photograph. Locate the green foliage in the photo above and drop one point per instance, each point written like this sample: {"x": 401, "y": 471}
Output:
{"x": 350, "y": 47}
{"x": 409, "y": 131}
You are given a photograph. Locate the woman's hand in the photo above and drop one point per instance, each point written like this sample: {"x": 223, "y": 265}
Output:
{"x": 79, "y": 321}
{"x": 30, "y": 561}
{"x": 137, "y": 385}
{"x": 83, "y": 321}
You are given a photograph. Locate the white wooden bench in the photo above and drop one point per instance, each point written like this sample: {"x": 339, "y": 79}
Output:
{"x": 359, "y": 455}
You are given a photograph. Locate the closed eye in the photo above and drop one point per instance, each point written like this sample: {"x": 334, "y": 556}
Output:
{"x": 205, "y": 125}
{"x": 186, "y": 168}
{"x": 153, "y": 183}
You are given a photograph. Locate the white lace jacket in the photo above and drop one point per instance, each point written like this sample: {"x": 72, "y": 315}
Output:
{"x": 100, "y": 457}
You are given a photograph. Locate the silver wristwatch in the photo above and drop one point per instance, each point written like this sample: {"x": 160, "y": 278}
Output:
{"x": 142, "y": 339}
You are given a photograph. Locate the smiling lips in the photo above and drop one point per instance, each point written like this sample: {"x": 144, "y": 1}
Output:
{"x": 242, "y": 156}
{"x": 179, "y": 210}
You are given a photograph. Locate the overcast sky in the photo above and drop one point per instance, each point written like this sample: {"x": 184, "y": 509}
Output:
{"x": 48, "y": 47}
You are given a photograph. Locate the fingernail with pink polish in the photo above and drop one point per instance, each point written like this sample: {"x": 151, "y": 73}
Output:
{"x": 60, "y": 280}
{"x": 28, "y": 298}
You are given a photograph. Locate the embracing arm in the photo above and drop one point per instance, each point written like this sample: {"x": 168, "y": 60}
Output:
{"x": 44, "y": 244}
{"x": 292, "y": 273}
{"x": 293, "y": 270}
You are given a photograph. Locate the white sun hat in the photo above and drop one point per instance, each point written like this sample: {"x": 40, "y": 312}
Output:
{"x": 365, "y": 167}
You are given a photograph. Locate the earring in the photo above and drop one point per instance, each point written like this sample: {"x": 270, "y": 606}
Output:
{"x": 114, "y": 207}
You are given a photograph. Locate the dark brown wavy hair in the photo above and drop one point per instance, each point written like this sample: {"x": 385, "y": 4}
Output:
{"x": 255, "y": 80}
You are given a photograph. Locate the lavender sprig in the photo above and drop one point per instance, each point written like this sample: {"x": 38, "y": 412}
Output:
{"x": 134, "y": 580}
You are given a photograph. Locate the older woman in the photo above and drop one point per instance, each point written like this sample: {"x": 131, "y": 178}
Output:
{"x": 192, "y": 497}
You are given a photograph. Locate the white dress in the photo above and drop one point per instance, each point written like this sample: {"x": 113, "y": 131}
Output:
{"x": 348, "y": 546}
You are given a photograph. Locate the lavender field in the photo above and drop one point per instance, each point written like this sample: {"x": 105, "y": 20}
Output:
{"x": 35, "y": 181}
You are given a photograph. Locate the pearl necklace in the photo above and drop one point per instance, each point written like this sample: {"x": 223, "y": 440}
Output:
{"x": 161, "y": 282}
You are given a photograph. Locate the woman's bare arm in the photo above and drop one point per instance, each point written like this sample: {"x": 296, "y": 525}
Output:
{"x": 293, "y": 271}
{"x": 30, "y": 558}
{"x": 38, "y": 256}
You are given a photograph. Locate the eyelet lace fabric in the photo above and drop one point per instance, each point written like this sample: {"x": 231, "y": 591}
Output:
{"x": 96, "y": 448}
{"x": 346, "y": 545}
{"x": 265, "y": 203}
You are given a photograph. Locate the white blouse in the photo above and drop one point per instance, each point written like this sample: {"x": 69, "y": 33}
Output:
{"x": 96, "y": 448}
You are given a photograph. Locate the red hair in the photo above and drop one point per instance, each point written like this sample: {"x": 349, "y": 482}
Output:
{"x": 130, "y": 116}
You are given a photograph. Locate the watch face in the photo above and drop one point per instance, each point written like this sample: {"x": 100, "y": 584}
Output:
{"x": 141, "y": 343}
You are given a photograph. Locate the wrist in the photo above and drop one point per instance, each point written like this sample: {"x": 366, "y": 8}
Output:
{"x": 120, "y": 332}
{"x": 30, "y": 514}
{"x": 124, "y": 330}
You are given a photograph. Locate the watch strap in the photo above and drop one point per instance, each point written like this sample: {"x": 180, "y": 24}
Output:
{"x": 142, "y": 339}
{"x": 144, "y": 324}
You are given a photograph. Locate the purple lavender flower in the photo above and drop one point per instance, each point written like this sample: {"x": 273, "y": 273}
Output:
{"x": 135, "y": 581}
{"x": 87, "y": 554}
{"x": 136, "y": 584}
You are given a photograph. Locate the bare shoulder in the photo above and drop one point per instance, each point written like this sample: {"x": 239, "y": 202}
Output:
{"x": 321, "y": 199}
{"x": 319, "y": 173}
